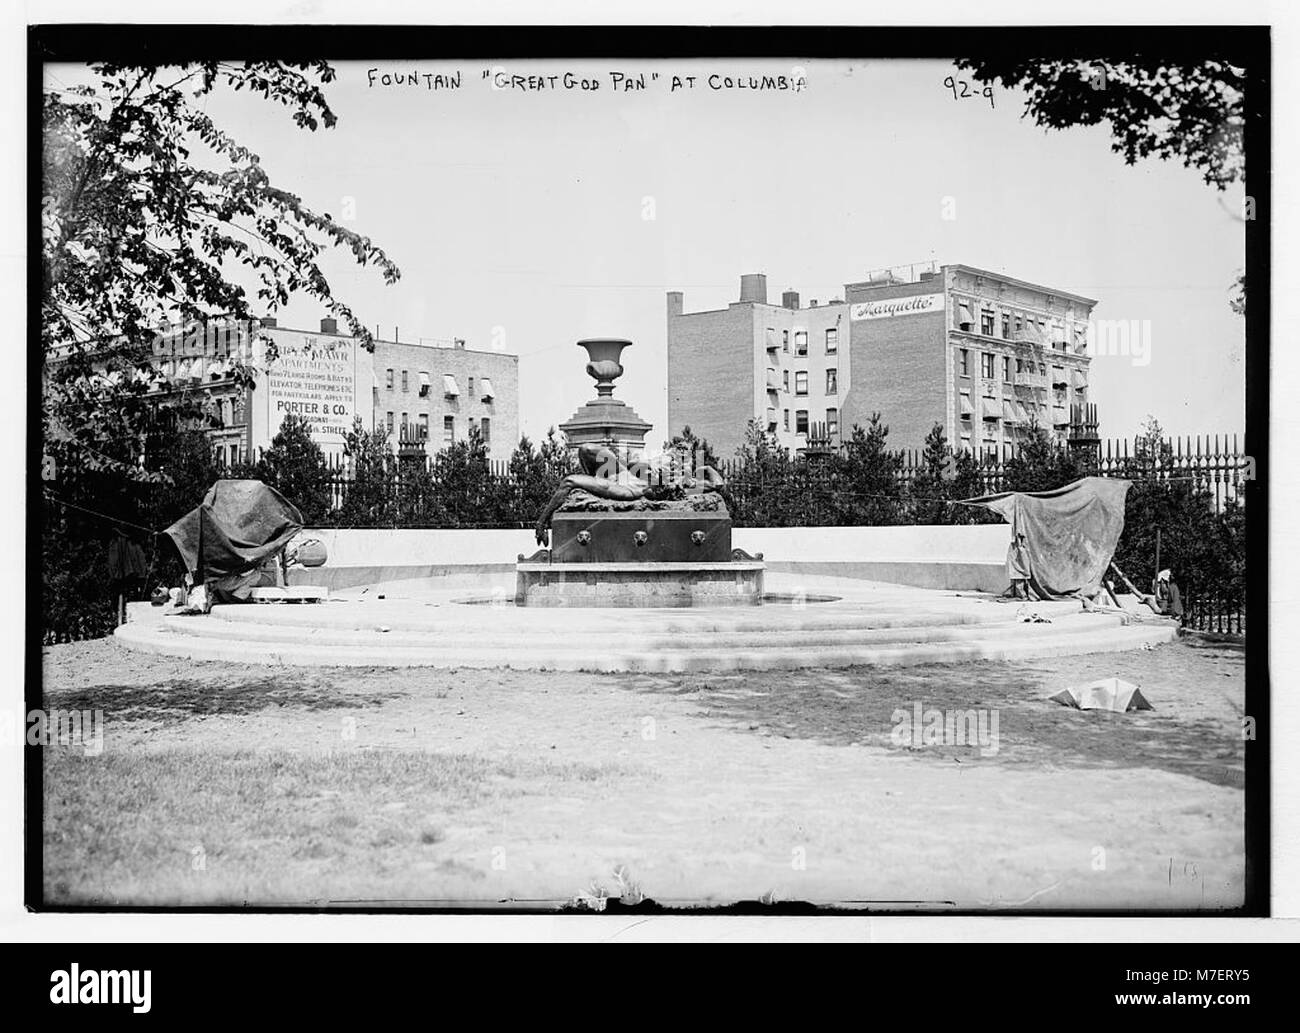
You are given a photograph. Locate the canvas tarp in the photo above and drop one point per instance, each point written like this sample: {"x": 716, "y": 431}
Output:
{"x": 1104, "y": 694}
{"x": 239, "y": 524}
{"x": 1070, "y": 533}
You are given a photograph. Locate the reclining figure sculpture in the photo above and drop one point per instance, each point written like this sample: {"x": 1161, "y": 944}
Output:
{"x": 606, "y": 476}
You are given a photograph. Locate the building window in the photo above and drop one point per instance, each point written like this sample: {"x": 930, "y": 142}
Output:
{"x": 405, "y": 384}
{"x": 406, "y": 420}
{"x": 424, "y": 426}
{"x": 832, "y": 381}
{"x": 424, "y": 383}
{"x": 801, "y": 421}
{"x": 832, "y": 422}
{"x": 771, "y": 338}
{"x": 963, "y": 359}
{"x": 801, "y": 382}
{"x": 469, "y": 386}
{"x": 388, "y": 376}
{"x": 1006, "y": 368}
{"x": 785, "y": 341}
{"x": 986, "y": 365}
{"x": 801, "y": 342}
{"x": 785, "y": 379}
{"x": 389, "y": 423}
{"x": 485, "y": 430}
{"x": 832, "y": 340}
{"x": 986, "y": 323}
{"x": 448, "y": 430}
{"x": 1020, "y": 324}
{"x": 785, "y": 420}
{"x": 1006, "y": 326}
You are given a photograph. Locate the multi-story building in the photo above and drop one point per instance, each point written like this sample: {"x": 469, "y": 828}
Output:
{"x": 983, "y": 355}
{"x": 443, "y": 391}
{"x": 437, "y": 391}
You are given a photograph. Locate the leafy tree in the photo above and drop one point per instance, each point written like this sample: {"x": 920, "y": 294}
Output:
{"x": 370, "y": 497}
{"x": 930, "y": 486}
{"x": 761, "y": 487}
{"x": 464, "y": 482}
{"x": 148, "y": 207}
{"x": 295, "y": 466}
{"x": 534, "y": 474}
{"x": 1189, "y": 111}
{"x": 690, "y": 452}
{"x": 1040, "y": 464}
{"x": 154, "y": 216}
{"x": 869, "y": 477}
{"x": 1193, "y": 112}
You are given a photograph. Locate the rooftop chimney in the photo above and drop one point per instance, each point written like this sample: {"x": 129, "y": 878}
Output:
{"x": 459, "y": 342}
{"x": 329, "y": 325}
{"x": 753, "y": 287}
{"x": 790, "y": 299}
{"x": 812, "y": 303}
{"x": 674, "y": 303}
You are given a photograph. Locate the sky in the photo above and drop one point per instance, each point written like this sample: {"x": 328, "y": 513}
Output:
{"x": 526, "y": 220}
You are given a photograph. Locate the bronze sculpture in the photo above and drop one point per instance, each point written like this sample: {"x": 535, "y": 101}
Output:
{"x": 607, "y": 477}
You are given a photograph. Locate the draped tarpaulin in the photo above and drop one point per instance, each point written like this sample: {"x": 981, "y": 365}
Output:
{"x": 239, "y": 524}
{"x": 1070, "y": 533}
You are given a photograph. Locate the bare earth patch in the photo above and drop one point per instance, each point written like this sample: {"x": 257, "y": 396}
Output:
{"x": 233, "y": 784}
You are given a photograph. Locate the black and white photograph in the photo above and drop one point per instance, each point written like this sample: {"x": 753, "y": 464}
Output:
{"x": 809, "y": 470}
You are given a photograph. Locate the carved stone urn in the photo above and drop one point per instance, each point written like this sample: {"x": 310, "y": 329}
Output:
{"x": 603, "y": 365}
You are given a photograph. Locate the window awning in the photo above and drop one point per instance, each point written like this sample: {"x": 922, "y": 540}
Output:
{"x": 449, "y": 387}
{"x": 424, "y": 379}
{"x": 966, "y": 409}
{"x": 485, "y": 387}
{"x": 964, "y": 313}
{"x": 1024, "y": 414}
{"x": 1078, "y": 378}
{"x": 1058, "y": 376}
{"x": 1009, "y": 412}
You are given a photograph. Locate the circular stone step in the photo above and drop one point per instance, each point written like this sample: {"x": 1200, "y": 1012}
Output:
{"x": 865, "y": 624}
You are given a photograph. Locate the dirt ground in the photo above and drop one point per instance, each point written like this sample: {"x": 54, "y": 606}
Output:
{"x": 226, "y": 783}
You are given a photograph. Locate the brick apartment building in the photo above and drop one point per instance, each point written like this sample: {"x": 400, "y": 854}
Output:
{"x": 437, "y": 391}
{"x": 982, "y": 354}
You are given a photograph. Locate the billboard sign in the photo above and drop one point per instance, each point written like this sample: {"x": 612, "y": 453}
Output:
{"x": 314, "y": 378}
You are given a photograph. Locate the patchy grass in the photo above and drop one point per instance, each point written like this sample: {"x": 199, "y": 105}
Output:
{"x": 1192, "y": 731}
{"x": 176, "y": 699}
{"x": 187, "y": 826}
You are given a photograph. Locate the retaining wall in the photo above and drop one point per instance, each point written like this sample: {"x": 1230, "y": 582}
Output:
{"x": 960, "y": 558}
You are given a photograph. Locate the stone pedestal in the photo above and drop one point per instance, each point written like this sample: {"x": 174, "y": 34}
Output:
{"x": 656, "y": 585}
{"x": 663, "y": 536}
{"x": 651, "y": 558}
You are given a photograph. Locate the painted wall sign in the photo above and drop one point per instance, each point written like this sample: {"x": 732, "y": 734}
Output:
{"x": 315, "y": 378}
{"x": 897, "y": 307}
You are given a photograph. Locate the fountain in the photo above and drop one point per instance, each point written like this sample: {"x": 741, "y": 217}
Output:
{"x": 623, "y": 533}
